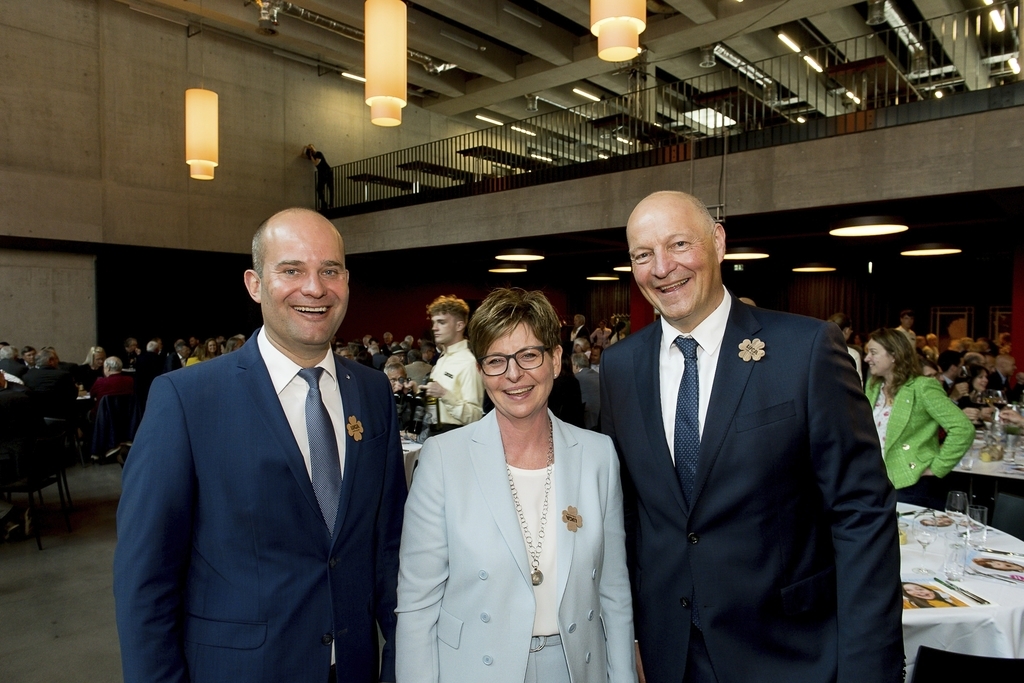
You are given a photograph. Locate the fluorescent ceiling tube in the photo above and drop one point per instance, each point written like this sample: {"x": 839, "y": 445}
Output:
{"x": 790, "y": 43}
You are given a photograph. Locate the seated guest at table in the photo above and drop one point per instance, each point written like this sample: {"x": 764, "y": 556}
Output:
{"x": 131, "y": 352}
{"x": 92, "y": 369}
{"x": 949, "y": 369}
{"x": 974, "y": 407}
{"x": 915, "y": 595}
{"x": 492, "y": 506}
{"x": 176, "y": 360}
{"x": 208, "y": 350}
{"x": 1010, "y": 416}
{"x": 595, "y": 358}
{"x": 931, "y": 348}
{"x": 416, "y": 368}
{"x": 428, "y": 350}
{"x": 915, "y": 407}
{"x": 28, "y": 355}
{"x": 1006, "y": 378}
{"x": 113, "y": 383}
{"x": 53, "y": 388}
{"x": 10, "y": 363}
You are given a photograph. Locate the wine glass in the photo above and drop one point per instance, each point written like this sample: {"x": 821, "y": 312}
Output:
{"x": 956, "y": 508}
{"x": 924, "y": 533}
{"x": 998, "y": 399}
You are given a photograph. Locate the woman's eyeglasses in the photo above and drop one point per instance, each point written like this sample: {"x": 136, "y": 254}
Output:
{"x": 530, "y": 358}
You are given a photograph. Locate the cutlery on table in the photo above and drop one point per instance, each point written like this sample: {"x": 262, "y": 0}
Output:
{"x": 962, "y": 591}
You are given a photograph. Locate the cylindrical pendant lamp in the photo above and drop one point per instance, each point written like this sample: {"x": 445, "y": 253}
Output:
{"x": 385, "y": 60}
{"x": 618, "y": 25}
{"x": 201, "y": 133}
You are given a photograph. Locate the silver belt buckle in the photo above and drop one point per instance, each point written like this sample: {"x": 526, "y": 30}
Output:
{"x": 543, "y": 643}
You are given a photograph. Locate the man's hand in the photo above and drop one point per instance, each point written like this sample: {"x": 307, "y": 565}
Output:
{"x": 960, "y": 389}
{"x": 435, "y": 390}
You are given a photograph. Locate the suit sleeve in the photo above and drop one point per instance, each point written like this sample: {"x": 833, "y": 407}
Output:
{"x": 389, "y": 535}
{"x": 616, "y": 600}
{"x": 959, "y": 430}
{"x": 423, "y": 572}
{"x": 861, "y": 503}
{"x": 154, "y": 529}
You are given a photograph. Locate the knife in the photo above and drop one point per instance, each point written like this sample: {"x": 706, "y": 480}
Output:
{"x": 999, "y": 552}
{"x": 962, "y": 591}
{"x": 991, "y": 576}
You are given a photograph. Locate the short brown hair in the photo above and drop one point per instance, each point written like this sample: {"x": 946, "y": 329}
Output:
{"x": 451, "y": 305}
{"x": 504, "y": 309}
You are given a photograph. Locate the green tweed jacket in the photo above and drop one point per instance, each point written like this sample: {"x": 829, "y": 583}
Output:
{"x": 911, "y": 439}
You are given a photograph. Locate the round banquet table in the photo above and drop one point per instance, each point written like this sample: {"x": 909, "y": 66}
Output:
{"x": 995, "y": 630}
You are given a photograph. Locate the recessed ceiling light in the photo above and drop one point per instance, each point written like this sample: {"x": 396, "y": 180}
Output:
{"x": 938, "y": 94}
{"x": 496, "y": 122}
{"x": 510, "y": 268}
{"x": 868, "y": 226}
{"x": 353, "y": 77}
{"x": 932, "y": 249}
{"x": 790, "y": 43}
{"x": 603, "y": 277}
{"x": 584, "y": 93}
{"x": 801, "y": 119}
{"x": 813, "y": 268}
{"x": 520, "y": 255}
{"x": 745, "y": 254}
{"x": 813, "y": 64}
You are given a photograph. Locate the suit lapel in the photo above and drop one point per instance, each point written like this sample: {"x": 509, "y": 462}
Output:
{"x": 647, "y": 370}
{"x": 352, "y": 406}
{"x": 731, "y": 376}
{"x": 568, "y": 465}
{"x": 268, "y": 406}
{"x": 487, "y": 457}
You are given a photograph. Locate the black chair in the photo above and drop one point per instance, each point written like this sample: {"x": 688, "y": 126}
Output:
{"x": 1009, "y": 514}
{"x": 939, "y": 666}
{"x": 117, "y": 419}
{"x": 32, "y": 464}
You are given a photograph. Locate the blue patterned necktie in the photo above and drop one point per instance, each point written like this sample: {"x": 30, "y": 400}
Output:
{"x": 324, "y": 466}
{"x": 687, "y": 438}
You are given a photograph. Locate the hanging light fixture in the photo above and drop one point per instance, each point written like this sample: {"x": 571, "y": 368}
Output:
{"x": 508, "y": 268}
{"x": 519, "y": 254}
{"x": 931, "y": 249}
{"x": 618, "y": 25}
{"x": 814, "y": 268}
{"x": 876, "y": 13}
{"x": 868, "y": 226}
{"x": 385, "y": 60}
{"x": 201, "y": 133}
{"x": 624, "y": 267}
{"x": 603, "y": 277}
{"x": 745, "y": 254}
{"x": 707, "y": 56}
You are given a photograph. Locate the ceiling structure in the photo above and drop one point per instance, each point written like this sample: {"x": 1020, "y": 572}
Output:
{"x": 477, "y": 56}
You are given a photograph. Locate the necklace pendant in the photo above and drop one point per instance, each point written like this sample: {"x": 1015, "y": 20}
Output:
{"x": 537, "y": 577}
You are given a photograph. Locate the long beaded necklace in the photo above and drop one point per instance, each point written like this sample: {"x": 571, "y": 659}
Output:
{"x": 536, "y": 576}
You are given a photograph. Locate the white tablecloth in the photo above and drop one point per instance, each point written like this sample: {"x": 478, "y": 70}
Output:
{"x": 996, "y": 630}
{"x": 411, "y": 450}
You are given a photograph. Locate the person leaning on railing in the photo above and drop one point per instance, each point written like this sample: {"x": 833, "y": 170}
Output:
{"x": 908, "y": 411}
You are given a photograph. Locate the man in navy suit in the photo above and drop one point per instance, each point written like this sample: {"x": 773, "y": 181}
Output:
{"x": 262, "y": 500}
{"x": 761, "y": 523}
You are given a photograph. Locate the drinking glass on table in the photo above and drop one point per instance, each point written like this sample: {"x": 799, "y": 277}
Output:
{"x": 924, "y": 533}
{"x": 977, "y": 528}
{"x": 956, "y": 559}
{"x": 956, "y": 508}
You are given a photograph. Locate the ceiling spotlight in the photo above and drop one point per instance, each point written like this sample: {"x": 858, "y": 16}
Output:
{"x": 931, "y": 249}
{"x": 745, "y": 254}
{"x": 707, "y": 56}
{"x": 603, "y": 277}
{"x": 868, "y": 226}
{"x": 876, "y": 12}
{"x": 531, "y": 102}
{"x": 625, "y": 267}
{"x": 813, "y": 268}
{"x": 509, "y": 268}
{"x": 801, "y": 119}
{"x": 938, "y": 94}
{"x": 519, "y": 255}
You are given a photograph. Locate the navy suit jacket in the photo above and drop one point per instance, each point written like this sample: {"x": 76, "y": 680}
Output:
{"x": 224, "y": 568}
{"x": 789, "y": 543}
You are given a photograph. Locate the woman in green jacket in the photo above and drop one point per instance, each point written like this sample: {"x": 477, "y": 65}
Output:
{"x": 908, "y": 410}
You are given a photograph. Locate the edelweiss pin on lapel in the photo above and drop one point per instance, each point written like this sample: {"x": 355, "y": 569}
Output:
{"x": 355, "y": 428}
{"x": 572, "y": 518}
{"x": 751, "y": 350}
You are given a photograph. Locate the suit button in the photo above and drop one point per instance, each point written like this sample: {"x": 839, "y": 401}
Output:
{"x": 327, "y": 639}
{"x": 485, "y": 617}
{"x": 333, "y": 563}
{"x": 590, "y": 615}
{"x": 482, "y": 575}
{"x": 572, "y": 627}
{"x": 488, "y": 660}
{"x": 684, "y": 602}
{"x": 693, "y": 538}
{"x": 588, "y": 658}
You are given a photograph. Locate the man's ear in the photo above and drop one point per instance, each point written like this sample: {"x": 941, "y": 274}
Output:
{"x": 252, "y": 284}
{"x": 460, "y": 325}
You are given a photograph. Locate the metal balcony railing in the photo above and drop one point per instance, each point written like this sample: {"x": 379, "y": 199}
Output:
{"x": 820, "y": 91}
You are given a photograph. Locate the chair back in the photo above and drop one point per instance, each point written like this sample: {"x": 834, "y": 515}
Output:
{"x": 940, "y": 666}
{"x": 117, "y": 419}
{"x": 1009, "y": 514}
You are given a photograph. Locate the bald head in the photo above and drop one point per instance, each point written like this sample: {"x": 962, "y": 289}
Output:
{"x": 259, "y": 238}
{"x": 671, "y": 200}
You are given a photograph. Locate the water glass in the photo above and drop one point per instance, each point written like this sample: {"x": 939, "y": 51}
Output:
{"x": 956, "y": 558}
{"x": 967, "y": 462}
{"x": 956, "y": 508}
{"x": 977, "y": 527}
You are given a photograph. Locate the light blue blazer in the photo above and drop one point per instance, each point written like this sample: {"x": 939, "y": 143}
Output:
{"x": 465, "y": 601}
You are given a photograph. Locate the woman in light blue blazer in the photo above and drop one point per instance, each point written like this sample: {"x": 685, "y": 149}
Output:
{"x": 513, "y": 562}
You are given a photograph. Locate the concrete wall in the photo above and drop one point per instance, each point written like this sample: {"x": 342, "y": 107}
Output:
{"x": 48, "y": 299}
{"x": 962, "y": 154}
{"x": 92, "y": 128}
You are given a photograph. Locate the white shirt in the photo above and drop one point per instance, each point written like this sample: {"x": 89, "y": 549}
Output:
{"x": 456, "y": 371}
{"x": 530, "y": 487}
{"x": 709, "y": 334}
{"x": 291, "y": 390}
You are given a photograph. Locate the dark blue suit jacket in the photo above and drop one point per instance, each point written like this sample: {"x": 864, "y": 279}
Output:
{"x": 790, "y": 542}
{"x": 224, "y": 568}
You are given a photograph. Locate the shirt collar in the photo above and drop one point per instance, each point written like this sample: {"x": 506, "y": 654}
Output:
{"x": 283, "y": 369}
{"x": 709, "y": 333}
{"x": 457, "y": 346}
